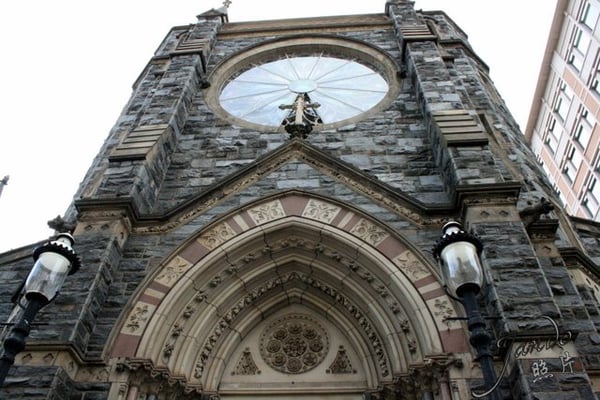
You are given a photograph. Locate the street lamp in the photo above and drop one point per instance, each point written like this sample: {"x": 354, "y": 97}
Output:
{"x": 458, "y": 253}
{"x": 54, "y": 260}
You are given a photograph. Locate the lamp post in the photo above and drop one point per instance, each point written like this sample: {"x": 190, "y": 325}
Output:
{"x": 54, "y": 260}
{"x": 458, "y": 255}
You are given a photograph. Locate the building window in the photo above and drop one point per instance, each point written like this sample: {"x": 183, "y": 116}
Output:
{"x": 595, "y": 81}
{"x": 583, "y": 130}
{"x": 594, "y": 189}
{"x": 581, "y": 43}
{"x": 595, "y": 76}
{"x": 563, "y": 101}
{"x": 551, "y": 138}
{"x": 589, "y": 15}
{"x": 591, "y": 200}
{"x": 572, "y": 163}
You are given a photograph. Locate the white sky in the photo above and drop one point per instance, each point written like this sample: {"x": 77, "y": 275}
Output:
{"x": 68, "y": 66}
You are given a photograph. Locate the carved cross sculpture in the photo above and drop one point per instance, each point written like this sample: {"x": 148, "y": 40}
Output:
{"x": 302, "y": 117}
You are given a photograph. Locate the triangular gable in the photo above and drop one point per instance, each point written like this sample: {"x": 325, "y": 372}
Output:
{"x": 295, "y": 150}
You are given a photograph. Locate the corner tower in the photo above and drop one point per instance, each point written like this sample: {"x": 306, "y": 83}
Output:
{"x": 226, "y": 255}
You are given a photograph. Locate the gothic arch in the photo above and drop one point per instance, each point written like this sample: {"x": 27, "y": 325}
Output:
{"x": 295, "y": 254}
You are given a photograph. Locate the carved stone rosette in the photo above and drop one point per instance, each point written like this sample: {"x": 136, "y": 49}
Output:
{"x": 294, "y": 344}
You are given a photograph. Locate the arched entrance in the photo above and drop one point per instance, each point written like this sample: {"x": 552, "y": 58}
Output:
{"x": 292, "y": 297}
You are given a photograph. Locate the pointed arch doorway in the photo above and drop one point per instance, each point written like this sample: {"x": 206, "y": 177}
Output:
{"x": 293, "y": 297}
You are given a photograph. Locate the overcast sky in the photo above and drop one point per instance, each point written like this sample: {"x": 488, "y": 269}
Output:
{"x": 68, "y": 66}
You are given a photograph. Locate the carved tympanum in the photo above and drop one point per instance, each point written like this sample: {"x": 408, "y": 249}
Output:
{"x": 294, "y": 344}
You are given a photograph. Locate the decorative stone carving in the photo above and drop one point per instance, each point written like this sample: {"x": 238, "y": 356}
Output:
{"x": 320, "y": 211}
{"x": 151, "y": 378}
{"x": 337, "y": 296}
{"x": 534, "y": 213}
{"x": 369, "y": 232}
{"x": 267, "y": 212}
{"x": 409, "y": 263}
{"x": 136, "y": 322}
{"x": 294, "y": 344}
{"x": 426, "y": 376}
{"x": 443, "y": 310}
{"x": 172, "y": 271}
{"x": 341, "y": 364}
{"x": 246, "y": 365}
{"x": 217, "y": 236}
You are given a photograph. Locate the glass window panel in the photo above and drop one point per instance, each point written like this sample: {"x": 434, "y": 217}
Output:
{"x": 326, "y": 66}
{"x": 242, "y": 89}
{"x": 247, "y": 105}
{"x": 371, "y": 82}
{"x": 304, "y": 66}
{"x": 590, "y": 14}
{"x": 595, "y": 190}
{"x": 349, "y": 70}
{"x": 361, "y": 100}
{"x": 583, "y": 134}
{"x": 582, "y": 41}
{"x": 344, "y": 88}
{"x": 278, "y": 70}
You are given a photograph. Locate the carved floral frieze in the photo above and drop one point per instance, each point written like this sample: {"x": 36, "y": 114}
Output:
{"x": 320, "y": 211}
{"x": 267, "y": 212}
{"x": 138, "y": 318}
{"x": 172, "y": 271}
{"x": 369, "y": 232}
{"x": 217, "y": 236}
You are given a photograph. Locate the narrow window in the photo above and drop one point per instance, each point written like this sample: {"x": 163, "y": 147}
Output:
{"x": 590, "y": 13}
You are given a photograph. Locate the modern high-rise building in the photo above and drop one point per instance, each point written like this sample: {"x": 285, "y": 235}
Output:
{"x": 563, "y": 125}
{"x": 264, "y": 221}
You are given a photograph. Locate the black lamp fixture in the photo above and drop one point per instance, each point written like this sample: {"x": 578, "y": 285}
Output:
{"x": 457, "y": 253}
{"x": 54, "y": 261}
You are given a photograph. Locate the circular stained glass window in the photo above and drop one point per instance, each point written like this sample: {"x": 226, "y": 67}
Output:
{"x": 338, "y": 88}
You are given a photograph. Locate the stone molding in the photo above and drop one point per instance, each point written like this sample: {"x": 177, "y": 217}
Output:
{"x": 459, "y": 128}
{"x": 138, "y": 143}
{"x": 304, "y": 26}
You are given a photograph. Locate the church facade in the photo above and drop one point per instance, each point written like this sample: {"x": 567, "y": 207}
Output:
{"x": 260, "y": 222}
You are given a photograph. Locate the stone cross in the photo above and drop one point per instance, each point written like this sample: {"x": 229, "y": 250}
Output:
{"x": 302, "y": 116}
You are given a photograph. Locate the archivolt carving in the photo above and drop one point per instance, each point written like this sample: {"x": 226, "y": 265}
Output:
{"x": 180, "y": 325}
{"x": 337, "y": 296}
{"x": 363, "y": 273}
